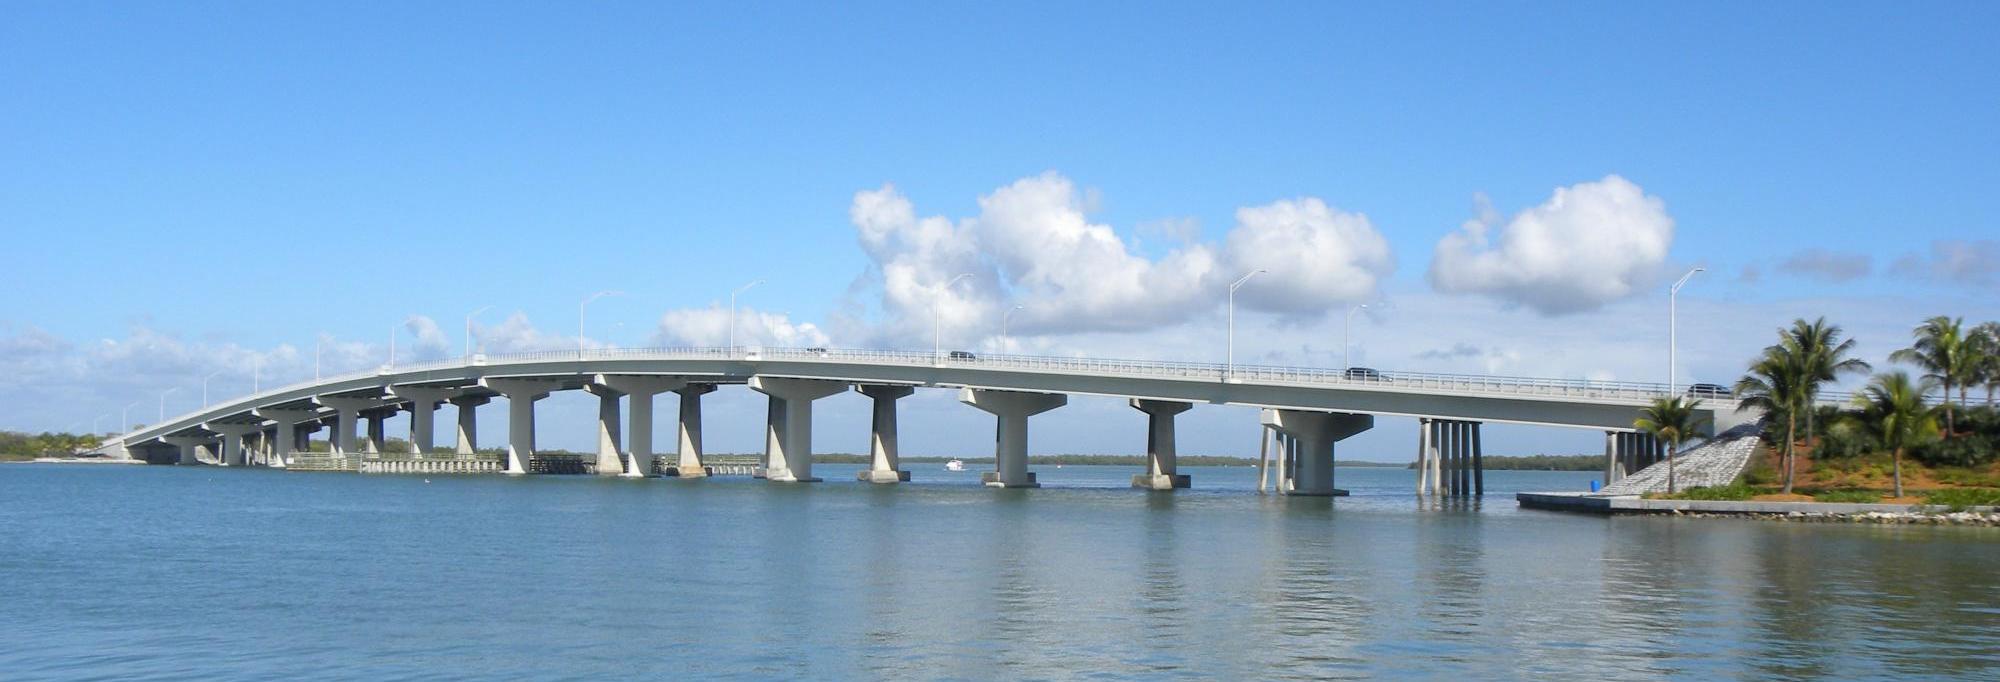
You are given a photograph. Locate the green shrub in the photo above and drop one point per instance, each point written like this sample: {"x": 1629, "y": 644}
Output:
{"x": 1844, "y": 441}
{"x": 1761, "y": 470}
{"x": 1983, "y": 478}
{"x": 1981, "y": 420}
{"x": 1854, "y": 496}
{"x": 1732, "y": 493}
{"x": 1962, "y": 451}
{"x": 1960, "y": 498}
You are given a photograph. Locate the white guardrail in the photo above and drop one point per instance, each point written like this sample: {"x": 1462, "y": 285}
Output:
{"x": 1257, "y": 374}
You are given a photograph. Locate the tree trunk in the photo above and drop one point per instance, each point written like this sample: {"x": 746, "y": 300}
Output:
{"x": 1791, "y": 439}
{"x": 1897, "y": 456}
{"x": 1949, "y": 424}
{"x": 1671, "y": 447}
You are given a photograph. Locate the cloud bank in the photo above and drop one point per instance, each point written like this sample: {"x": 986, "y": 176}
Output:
{"x": 1590, "y": 244}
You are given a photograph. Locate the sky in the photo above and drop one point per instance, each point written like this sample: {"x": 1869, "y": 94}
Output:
{"x": 207, "y": 191}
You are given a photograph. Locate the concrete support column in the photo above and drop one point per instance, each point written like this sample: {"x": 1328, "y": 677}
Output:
{"x": 639, "y": 441}
{"x": 521, "y": 395}
{"x": 187, "y": 445}
{"x": 423, "y": 415}
{"x": 468, "y": 423}
{"x": 1611, "y": 469}
{"x": 690, "y": 465}
{"x": 1314, "y": 435}
{"x": 377, "y": 438}
{"x": 886, "y": 463}
{"x": 1162, "y": 458}
{"x": 232, "y": 441}
{"x": 347, "y": 411}
{"x": 285, "y": 435}
{"x": 1423, "y": 455}
{"x": 1478, "y": 464}
{"x": 610, "y": 451}
{"x": 791, "y": 460}
{"x": 1010, "y": 438}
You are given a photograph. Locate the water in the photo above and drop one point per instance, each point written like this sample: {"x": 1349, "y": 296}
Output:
{"x": 201, "y": 573}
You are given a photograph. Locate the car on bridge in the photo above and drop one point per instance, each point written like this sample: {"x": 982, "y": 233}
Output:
{"x": 963, "y": 355}
{"x": 1708, "y": 391}
{"x": 1361, "y": 374}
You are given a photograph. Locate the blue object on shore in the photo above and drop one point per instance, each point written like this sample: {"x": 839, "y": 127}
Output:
{"x": 1593, "y": 485}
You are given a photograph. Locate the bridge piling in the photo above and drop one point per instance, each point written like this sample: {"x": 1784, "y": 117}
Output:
{"x": 885, "y": 461}
{"x": 521, "y": 395}
{"x": 1162, "y": 460}
{"x": 690, "y": 464}
{"x": 1011, "y": 410}
{"x": 1313, "y": 435}
{"x": 639, "y": 390}
{"x": 791, "y": 460}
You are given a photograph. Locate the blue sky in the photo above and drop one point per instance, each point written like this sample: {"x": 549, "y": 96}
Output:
{"x": 187, "y": 187}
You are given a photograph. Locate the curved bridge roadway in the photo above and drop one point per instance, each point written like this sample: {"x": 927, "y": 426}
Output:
{"x": 1307, "y": 410}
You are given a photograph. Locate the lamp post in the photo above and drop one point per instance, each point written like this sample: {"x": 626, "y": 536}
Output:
{"x": 1003, "y": 326}
{"x": 125, "y": 416}
{"x": 937, "y": 329}
{"x": 732, "y": 312}
{"x": 1231, "y": 373}
{"x": 257, "y": 375}
{"x": 392, "y": 346}
{"x": 1673, "y": 330}
{"x": 95, "y": 421}
{"x": 204, "y": 388}
{"x": 163, "y": 402}
{"x": 579, "y": 316}
{"x": 468, "y": 329}
{"x": 1347, "y": 338}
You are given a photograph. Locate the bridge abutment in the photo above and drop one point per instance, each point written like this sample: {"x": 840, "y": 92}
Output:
{"x": 1011, "y": 410}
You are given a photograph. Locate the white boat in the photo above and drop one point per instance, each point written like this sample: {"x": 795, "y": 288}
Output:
{"x": 955, "y": 465}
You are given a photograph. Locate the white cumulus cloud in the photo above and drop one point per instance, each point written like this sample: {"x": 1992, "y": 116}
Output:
{"x": 710, "y": 327}
{"x": 1588, "y": 245}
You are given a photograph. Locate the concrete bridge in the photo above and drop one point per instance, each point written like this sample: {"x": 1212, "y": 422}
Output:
{"x": 1306, "y": 411}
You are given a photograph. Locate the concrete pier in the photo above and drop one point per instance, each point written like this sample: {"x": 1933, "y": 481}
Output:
{"x": 521, "y": 395}
{"x": 788, "y": 427}
{"x": 423, "y": 414}
{"x": 1162, "y": 459}
{"x": 886, "y": 464}
{"x": 285, "y": 434}
{"x": 467, "y": 442}
{"x": 1313, "y": 435}
{"x": 610, "y": 449}
{"x": 232, "y": 441}
{"x": 639, "y": 391}
{"x": 689, "y": 464}
{"x": 1011, "y": 410}
{"x": 347, "y": 412}
{"x": 1450, "y": 461}
{"x": 187, "y": 445}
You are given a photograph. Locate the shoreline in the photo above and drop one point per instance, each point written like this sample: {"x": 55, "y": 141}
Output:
{"x": 1850, "y": 512}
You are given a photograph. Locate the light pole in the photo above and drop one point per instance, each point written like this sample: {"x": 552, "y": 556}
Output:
{"x": 468, "y": 329}
{"x": 392, "y": 345}
{"x": 163, "y": 402}
{"x": 95, "y": 421}
{"x": 1347, "y": 338}
{"x": 318, "y": 343}
{"x": 937, "y": 329}
{"x": 1231, "y": 374}
{"x": 257, "y": 375}
{"x": 125, "y": 416}
{"x": 204, "y": 388}
{"x": 1003, "y": 326}
{"x": 1673, "y": 330}
{"x": 579, "y": 316}
{"x": 732, "y": 312}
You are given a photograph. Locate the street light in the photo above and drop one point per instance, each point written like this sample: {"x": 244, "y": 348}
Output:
{"x": 318, "y": 342}
{"x": 1673, "y": 330}
{"x": 1231, "y": 374}
{"x": 95, "y": 421}
{"x": 468, "y": 329}
{"x": 204, "y": 388}
{"x": 257, "y": 375}
{"x": 392, "y": 345}
{"x": 732, "y": 312}
{"x": 937, "y": 330}
{"x": 163, "y": 402}
{"x": 1347, "y": 338}
{"x": 1003, "y": 326}
{"x": 125, "y": 416}
{"x": 579, "y": 316}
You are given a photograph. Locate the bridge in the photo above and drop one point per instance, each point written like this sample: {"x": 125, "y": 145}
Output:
{"x": 1306, "y": 411}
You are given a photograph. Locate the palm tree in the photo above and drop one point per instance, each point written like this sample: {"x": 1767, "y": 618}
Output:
{"x": 1985, "y": 341}
{"x": 1894, "y": 414}
{"x": 1941, "y": 350}
{"x": 1823, "y": 356}
{"x": 1671, "y": 419}
{"x": 1776, "y": 384}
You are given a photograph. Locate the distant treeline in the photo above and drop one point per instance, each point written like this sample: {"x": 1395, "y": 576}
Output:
{"x": 1538, "y": 463}
{"x": 18, "y": 445}
{"x": 1079, "y": 460}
